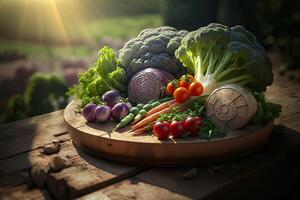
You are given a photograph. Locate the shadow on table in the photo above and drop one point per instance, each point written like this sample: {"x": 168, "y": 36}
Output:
{"x": 269, "y": 173}
{"x": 16, "y": 138}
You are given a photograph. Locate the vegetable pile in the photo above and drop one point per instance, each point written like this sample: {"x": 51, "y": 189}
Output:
{"x": 145, "y": 72}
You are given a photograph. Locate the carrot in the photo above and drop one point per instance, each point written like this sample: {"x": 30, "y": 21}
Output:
{"x": 151, "y": 118}
{"x": 140, "y": 131}
{"x": 160, "y": 107}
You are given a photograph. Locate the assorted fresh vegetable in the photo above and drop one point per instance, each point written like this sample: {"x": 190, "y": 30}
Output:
{"x": 145, "y": 72}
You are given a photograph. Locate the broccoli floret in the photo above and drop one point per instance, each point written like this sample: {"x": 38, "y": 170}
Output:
{"x": 218, "y": 55}
{"x": 152, "y": 48}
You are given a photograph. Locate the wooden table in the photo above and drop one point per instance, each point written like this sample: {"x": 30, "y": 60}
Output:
{"x": 271, "y": 173}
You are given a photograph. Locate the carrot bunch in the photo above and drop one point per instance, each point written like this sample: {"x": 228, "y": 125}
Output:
{"x": 153, "y": 115}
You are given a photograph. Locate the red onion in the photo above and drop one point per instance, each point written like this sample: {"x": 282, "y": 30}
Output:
{"x": 111, "y": 97}
{"x": 119, "y": 111}
{"x": 102, "y": 113}
{"x": 88, "y": 112}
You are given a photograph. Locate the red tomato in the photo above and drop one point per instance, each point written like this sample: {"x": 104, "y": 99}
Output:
{"x": 196, "y": 89}
{"x": 181, "y": 94}
{"x": 161, "y": 130}
{"x": 188, "y": 78}
{"x": 171, "y": 87}
{"x": 193, "y": 125}
{"x": 198, "y": 122}
{"x": 177, "y": 129}
{"x": 184, "y": 84}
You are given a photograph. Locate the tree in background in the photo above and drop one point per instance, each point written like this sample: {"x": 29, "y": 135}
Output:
{"x": 276, "y": 24}
{"x": 192, "y": 14}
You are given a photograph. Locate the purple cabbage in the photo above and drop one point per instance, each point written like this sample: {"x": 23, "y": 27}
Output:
{"x": 147, "y": 85}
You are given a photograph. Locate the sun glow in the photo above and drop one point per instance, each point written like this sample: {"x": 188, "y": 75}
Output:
{"x": 43, "y": 21}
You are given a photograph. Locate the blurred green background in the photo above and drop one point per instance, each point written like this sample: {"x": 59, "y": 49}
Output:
{"x": 60, "y": 38}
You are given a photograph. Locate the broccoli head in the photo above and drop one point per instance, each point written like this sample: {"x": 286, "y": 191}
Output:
{"x": 218, "y": 55}
{"x": 152, "y": 48}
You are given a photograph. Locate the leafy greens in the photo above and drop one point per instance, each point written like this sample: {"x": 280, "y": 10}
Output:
{"x": 104, "y": 75}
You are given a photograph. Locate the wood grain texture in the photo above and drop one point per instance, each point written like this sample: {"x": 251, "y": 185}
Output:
{"x": 22, "y": 192}
{"x": 121, "y": 146}
{"x": 26, "y": 135}
{"x": 85, "y": 174}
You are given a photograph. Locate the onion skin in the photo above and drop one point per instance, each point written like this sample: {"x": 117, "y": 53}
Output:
{"x": 88, "y": 112}
{"x": 111, "y": 97}
{"x": 119, "y": 111}
{"x": 102, "y": 113}
{"x": 129, "y": 105}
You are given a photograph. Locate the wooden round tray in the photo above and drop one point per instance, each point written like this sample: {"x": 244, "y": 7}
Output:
{"x": 100, "y": 140}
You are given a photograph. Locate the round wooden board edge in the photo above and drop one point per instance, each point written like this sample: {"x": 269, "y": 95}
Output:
{"x": 102, "y": 150}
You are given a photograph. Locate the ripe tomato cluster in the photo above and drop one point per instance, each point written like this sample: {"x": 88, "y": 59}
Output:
{"x": 183, "y": 88}
{"x": 191, "y": 126}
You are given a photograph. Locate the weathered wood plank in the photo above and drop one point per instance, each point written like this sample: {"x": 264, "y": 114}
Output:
{"x": 266, "y": 173}
{"x": 134, "y": 189}
{"x": 22, "y": 192}
{"x": 32, "y": 133}
{"x": 85, "y": 174}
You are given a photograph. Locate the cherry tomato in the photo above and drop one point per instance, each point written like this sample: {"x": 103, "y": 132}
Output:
{"x": 177, "y": 129}
{"x": 181, "y": 94}
{"x": 184, "y": 84}
{"x": 196, "y": 89}
{"x": 193, "y": 125}
{"x": 198, "y": 122}
{"x": 188, "y": 78}
{"x": 161, "y": 130}
{"x": 171, "y": 87}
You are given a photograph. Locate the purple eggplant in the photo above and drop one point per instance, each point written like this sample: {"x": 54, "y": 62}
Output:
{"x": 111, "y": 97}
{"x": 119, "y": 111}
{"x": 88, "y": 112}
{"x": 102, "y": 113}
